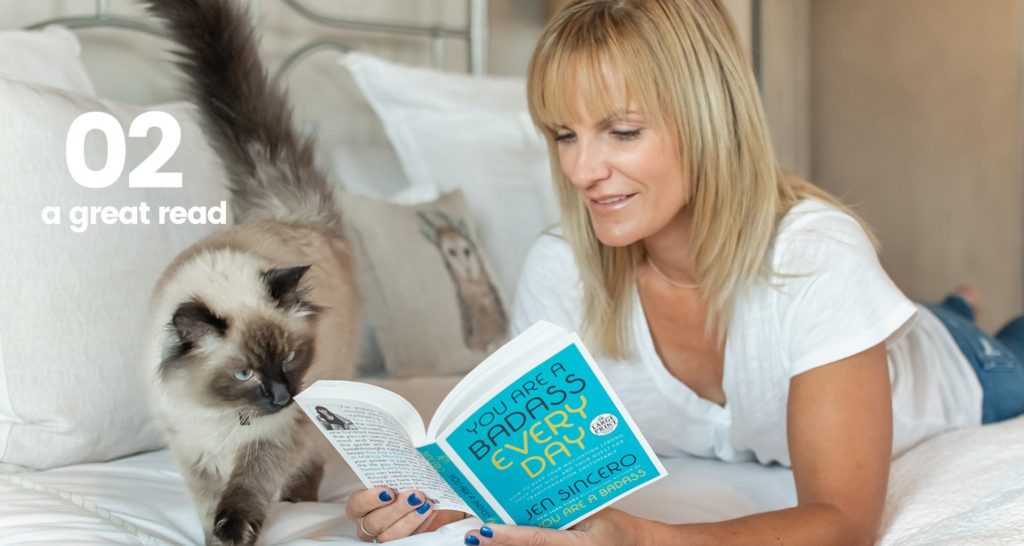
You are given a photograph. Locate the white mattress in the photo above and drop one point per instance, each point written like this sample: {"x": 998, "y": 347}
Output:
{"x": 963, "y": 487}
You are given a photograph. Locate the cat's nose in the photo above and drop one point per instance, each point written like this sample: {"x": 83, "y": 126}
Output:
{"x": 279, "y": 394}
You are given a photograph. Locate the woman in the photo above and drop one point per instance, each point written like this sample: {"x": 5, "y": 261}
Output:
{"x": 739, "y": 312}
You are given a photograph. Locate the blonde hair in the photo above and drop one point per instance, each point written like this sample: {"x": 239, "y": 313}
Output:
{"x": 682, "y": 64}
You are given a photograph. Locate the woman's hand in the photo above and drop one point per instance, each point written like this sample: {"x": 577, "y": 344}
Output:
{"x": 381, "y": 514}
{"x": 608, "y": 527}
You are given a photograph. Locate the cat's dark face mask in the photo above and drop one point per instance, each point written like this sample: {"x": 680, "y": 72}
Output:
{"x": 268, "y": 356}
{"x": 275, "y": 363}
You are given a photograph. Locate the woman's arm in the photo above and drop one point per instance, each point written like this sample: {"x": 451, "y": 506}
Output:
{"x": 840, "y": 443}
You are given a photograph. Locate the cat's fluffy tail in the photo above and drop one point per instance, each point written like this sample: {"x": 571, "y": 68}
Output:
{"x": 272, "y": 171}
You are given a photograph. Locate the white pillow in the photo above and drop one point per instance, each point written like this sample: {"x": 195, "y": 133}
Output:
{"x": 73, "y": 304}
{"x": 456, "y": 131}
{"x": 48, "y": 57}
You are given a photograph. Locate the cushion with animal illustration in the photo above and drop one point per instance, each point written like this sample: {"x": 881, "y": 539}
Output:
{"x": 430, "y": 292}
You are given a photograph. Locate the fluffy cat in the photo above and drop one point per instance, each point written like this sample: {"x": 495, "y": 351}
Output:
{"x": 248, "y": 317}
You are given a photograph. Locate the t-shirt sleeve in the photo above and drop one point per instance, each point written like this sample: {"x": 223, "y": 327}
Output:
{"x": 548, "y": 287}
{"x": 834, "y": 299}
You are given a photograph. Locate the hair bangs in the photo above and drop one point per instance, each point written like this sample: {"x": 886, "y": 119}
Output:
{"x": 594, "y": 66}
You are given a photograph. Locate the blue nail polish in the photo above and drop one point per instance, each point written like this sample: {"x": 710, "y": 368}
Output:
{"x": 423, "y": 509}
{"x": 472, "y": 541}
{"x": 414, "y": 500}
{"x": 384, "y": 497}
{"x": 487, "y": 531}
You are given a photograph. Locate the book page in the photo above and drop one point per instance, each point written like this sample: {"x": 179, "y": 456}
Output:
{"x": 378, "y": 448}
{"x": 554, "y": 445}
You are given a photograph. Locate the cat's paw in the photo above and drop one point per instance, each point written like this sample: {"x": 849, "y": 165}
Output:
{"x": 233, "y": 527}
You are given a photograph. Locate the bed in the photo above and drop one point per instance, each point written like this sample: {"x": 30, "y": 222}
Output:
{"x": 965, "y": 487}
{"x": 79, "y": 469}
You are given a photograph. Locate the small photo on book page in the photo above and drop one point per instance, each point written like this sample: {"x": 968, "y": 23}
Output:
{"x": 378, "y": 449}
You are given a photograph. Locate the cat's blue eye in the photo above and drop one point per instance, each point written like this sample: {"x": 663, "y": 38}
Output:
{"x": 243, "y": 375}
{"x": 290, "y": 357}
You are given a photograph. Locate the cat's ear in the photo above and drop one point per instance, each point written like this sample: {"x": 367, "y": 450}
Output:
{"x": 283, "y": 285}
{"x": 194, "y": 321}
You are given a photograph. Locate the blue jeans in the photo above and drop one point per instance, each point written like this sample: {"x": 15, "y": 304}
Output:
{"x": 997, "y": 360}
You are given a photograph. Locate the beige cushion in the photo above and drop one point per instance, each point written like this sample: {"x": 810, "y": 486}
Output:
{"x": 430, "y": 295}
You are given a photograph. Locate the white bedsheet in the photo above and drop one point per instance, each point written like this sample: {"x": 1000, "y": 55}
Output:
{"x": 142, "y": 500}
{"x": 965, "y": 487}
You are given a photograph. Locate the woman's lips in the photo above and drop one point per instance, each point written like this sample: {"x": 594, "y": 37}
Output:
{"x": 609, "y": 204}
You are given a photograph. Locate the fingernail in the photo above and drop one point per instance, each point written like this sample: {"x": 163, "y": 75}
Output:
{"x": 423, "y": 509}
{"x": 472, "y": 541}
{"x": 487, "y": 531}
{"x": 384, "y": 497}
{"x": 414, "y": 500}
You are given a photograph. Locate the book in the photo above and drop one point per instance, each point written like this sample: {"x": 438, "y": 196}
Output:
{"x": 534, "y": 435}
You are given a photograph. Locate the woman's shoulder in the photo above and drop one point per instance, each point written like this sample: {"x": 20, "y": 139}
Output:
{"x": 549, "y": 265}
{"x": 812, "y": 214}
{"x": 549, "y": 284}
{"x": 816, "y": 235}
{"x": 550, "y": 252}
{"x": 816, "y": 221}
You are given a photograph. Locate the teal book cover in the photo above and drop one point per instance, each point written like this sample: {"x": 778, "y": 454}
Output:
{"x": 553, "y": 446}
{"x": 534, "y": 435}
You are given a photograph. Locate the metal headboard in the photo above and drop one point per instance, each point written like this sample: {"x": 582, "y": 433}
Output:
{"x": 102, "y": 18}
{"x": 474, "y": 33}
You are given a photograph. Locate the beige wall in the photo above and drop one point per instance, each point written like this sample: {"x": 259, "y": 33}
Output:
{"x": 785, "y": 80}
{"x": 917, "y": 121}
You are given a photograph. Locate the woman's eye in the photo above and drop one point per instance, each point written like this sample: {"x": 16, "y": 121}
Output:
{"x": 243, "y": 375}
{"x": 565, "y": 137}
{"x": 626, "y": 134}
{"x": 290, "y": 357}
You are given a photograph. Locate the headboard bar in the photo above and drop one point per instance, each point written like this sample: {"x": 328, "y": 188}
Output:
{"x": 305, "y": 51}
{"x": 376, "y": 26}
{"x": 478, "y": 36}
{"x": 475, "y": 33}
{"x": 102, "y": 20}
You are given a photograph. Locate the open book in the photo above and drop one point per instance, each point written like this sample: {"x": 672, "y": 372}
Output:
{"x": 533, "y": 435}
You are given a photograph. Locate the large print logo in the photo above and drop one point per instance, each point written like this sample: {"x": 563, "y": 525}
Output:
{"x": 146, "y": 174}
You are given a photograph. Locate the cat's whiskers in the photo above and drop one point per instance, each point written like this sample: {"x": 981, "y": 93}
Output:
{"x": 259, "y": 436}
{"x": 216, "y": 432}
{"x": 245, "y": 463}
{"x": 237, "y": 425}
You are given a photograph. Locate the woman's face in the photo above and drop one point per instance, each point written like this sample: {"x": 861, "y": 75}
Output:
{"x": 627, "y": 172}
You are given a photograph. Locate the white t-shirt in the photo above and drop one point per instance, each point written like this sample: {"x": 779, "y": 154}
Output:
{"x": 833, "y": 300}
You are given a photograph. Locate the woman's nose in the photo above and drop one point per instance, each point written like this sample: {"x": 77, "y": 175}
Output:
{"x": 587, "y": 166}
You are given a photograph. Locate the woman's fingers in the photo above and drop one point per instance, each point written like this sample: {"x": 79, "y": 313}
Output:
{"x": 518, "y": 535}
{"x": 430, "y": 517}
{"x": 363, "y": 502}
{"x": 395, "y": 519}
{"x": 409, "y": 523}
